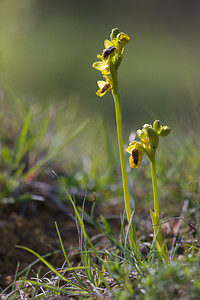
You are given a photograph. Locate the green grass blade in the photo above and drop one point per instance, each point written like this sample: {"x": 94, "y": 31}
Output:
{"x": 24, "y": 131}
{"x": 52, "y": 288}
{"x": 50, "y": 266}
{"x": 22, "y": 109}
{"x": 89, "y": 219}
{"x": 55, "y": 152}
{"x": 76, "y": 213}
{"x": 106, "y": 224}
{"x": 84, "y": 238}
{"x": 62, "y": 246}
{"x": 67, "y": 259}
{"x": 21, "y": 142}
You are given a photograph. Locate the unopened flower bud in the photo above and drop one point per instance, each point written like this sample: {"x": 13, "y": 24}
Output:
{"x": 157, "y": 126}
{"x": 141, "y": 134}
{"x": 153, "y": 137}
{"x": 165, "y": 131}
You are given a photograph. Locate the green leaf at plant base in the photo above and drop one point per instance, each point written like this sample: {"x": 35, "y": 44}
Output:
{"x": 160, "y": 240}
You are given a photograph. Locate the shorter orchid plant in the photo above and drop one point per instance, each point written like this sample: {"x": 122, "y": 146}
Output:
{"x": 148, "y": 144}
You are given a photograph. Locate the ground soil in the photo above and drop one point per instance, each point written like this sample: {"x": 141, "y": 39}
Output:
{"x": 33, "y": 227}
{"x": 32, "y": 224}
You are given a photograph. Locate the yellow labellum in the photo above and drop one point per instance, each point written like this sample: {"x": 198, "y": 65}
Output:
{"x": 104, "y": 87}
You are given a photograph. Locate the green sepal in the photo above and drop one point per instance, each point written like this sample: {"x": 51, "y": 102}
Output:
{"x": 114, "y": 33}
{"x": 113, "y": 72}
{"x": 141, "y": 134}
{"x": 153, "y": 138}
{"x": 118, "y": 60}
{"x": 157, "y": 126}
{"x": 145, "y": 126}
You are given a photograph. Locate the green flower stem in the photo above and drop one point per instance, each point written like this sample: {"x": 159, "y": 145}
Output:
{"x": 132, "y": 231}
{"x": 121, "y": 151}
{"x": 155, "y": 187}
{"x": 158, "y": 234}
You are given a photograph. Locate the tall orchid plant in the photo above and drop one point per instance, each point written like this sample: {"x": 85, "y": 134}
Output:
{"x": 108, "y": 65}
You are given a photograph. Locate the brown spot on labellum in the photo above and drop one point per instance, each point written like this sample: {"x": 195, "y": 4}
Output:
{"x": 135, "y": 154}
{"x": 106, "y": 86}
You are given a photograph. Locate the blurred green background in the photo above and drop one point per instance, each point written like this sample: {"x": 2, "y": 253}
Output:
{"x": 48, "y": 47}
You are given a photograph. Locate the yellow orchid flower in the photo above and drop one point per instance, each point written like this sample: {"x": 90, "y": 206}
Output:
{"x": 111, "y": 47}
{"x": 136, "y": 155}
{"x": 104, "y": 86}
{"x": 102, "y": 66}
{"x": 120, "y": 41}
{"x": 112, "y": 55}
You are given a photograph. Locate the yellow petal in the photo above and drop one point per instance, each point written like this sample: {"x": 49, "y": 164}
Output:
{"x": 100, "y": 56}
{"x": 98, "y": 93}
{"x": 108, "y": 44}
{"x": 146, "y": 142}
{"x": 123, "y": 37}
{"x": 101, "y": 83}
{"x": 100, "y": 65}
{"x": 108, "y": 79}
{"x": 106, "y": 71}
{"x": 130, "y": 149}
